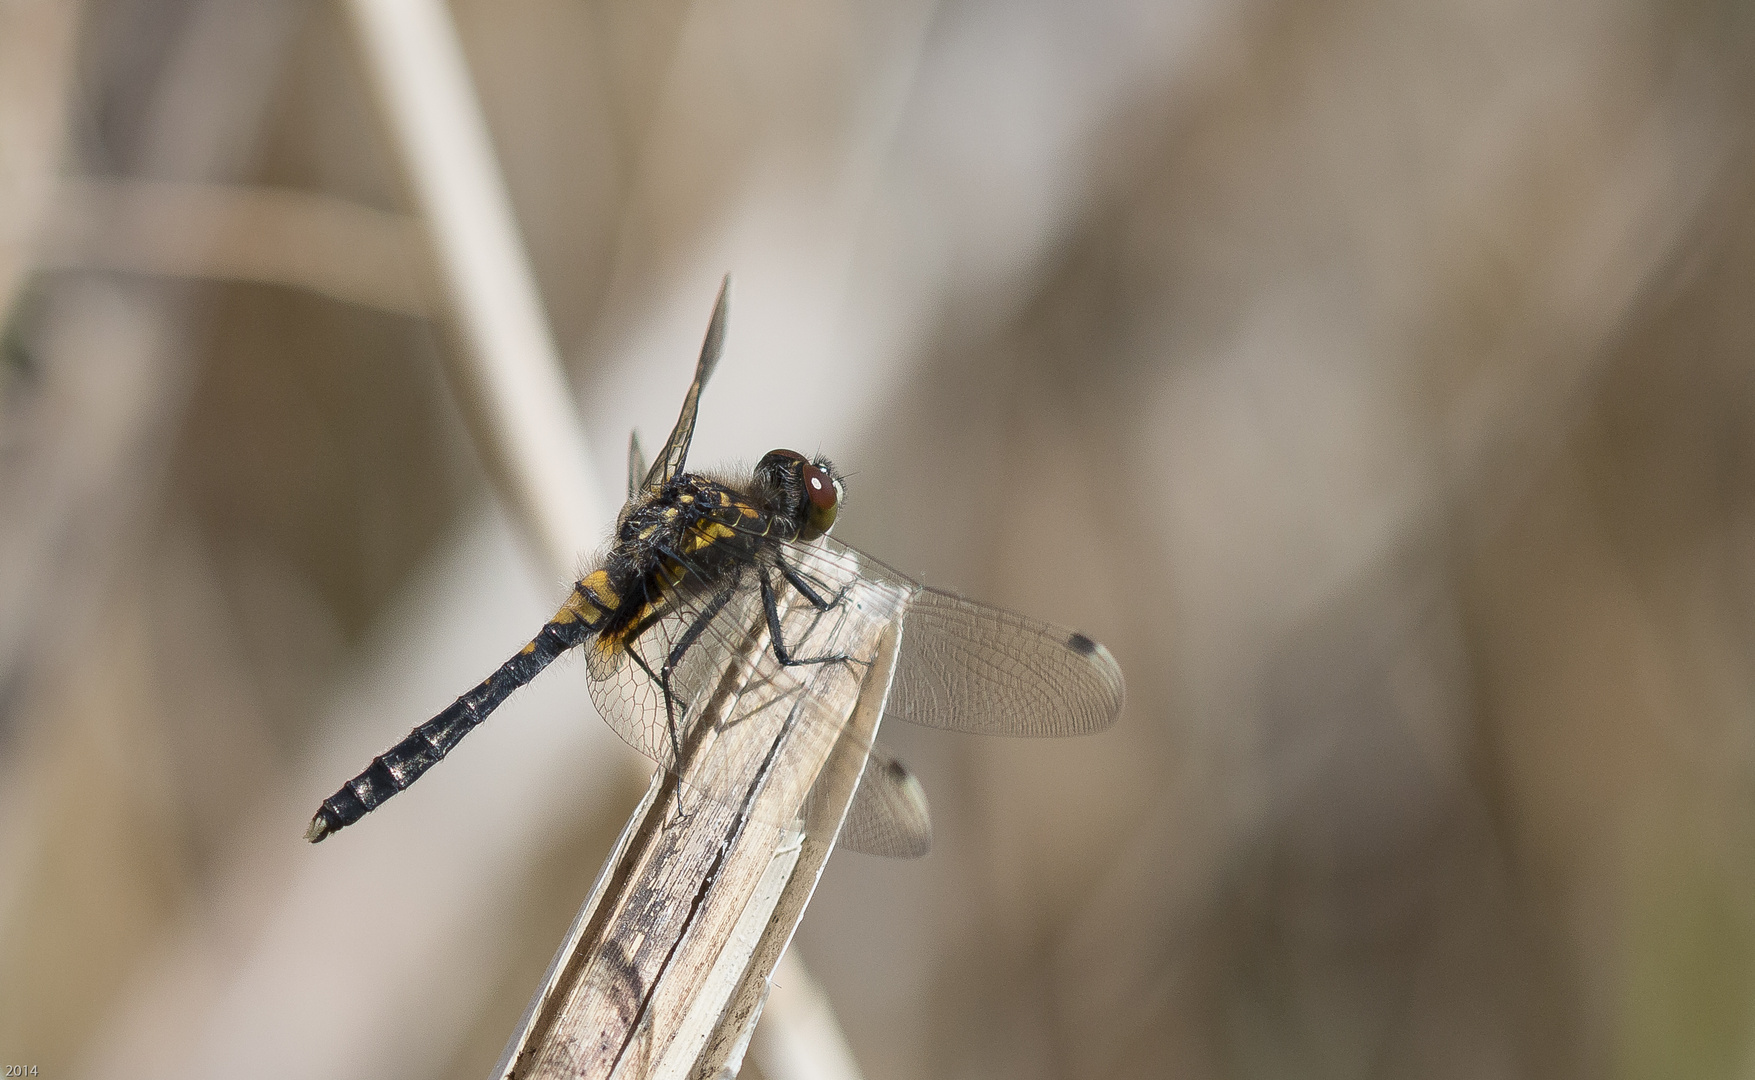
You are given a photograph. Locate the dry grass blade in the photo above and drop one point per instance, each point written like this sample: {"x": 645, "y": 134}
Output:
{"x": 223, "y": 232}
{"x": 667, "y": 967}
{"x": 506, "y": 366}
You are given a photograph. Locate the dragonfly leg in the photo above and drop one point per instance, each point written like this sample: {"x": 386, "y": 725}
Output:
{"x": 669, "y": 708}
{"x": 662, "y": 677}
{"x": 633, "y": 634}
{"x": 679, "y": 650}
{"x": 698, "y": 627}
{"x": 771, "y": 604}
{"x": 688, "y": 565}
{"x": 797, "y": 581}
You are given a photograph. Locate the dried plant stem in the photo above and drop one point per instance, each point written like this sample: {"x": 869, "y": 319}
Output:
{"x": 667, "y": 967}
{"x": 226, "y": 232}
{"x": 506, "y": 368}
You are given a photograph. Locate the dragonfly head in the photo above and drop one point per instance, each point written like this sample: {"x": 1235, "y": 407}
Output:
{"x": 808, "y": 492}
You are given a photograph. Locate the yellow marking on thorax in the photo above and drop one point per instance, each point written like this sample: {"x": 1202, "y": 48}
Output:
{"x": 705, "y": 534}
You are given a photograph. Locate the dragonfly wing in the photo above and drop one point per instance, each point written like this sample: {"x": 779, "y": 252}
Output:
{"x": 889, "y": 815}
{"x": 965, "y": 666}
{"x": 649, "y": 683}
{"x": 676, "y": 449}
{"x": 636, "y": 464}
{"x": 969, "y": 667}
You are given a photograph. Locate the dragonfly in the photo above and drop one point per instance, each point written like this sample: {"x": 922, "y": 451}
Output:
{"x": 704, "y": 575}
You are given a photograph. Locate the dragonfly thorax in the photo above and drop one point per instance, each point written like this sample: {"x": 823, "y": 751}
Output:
{"x": 694, "y": 523}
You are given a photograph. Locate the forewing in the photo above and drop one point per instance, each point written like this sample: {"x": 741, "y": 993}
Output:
{"x": 965, "y": 666}
{"x": 676, "y": 448}
{"x": 636, "y": 464}
{"x": 969, "y": 667}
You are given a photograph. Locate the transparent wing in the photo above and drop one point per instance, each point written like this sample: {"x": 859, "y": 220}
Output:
{"x": 965, "y": 666}
{"x": 676, "y": 448}
{"x": 701, "y": 690}
{"x": 646, "y": 685}
{"x": 636, "y": 464}
{"x": 888, "y": 815}
{"x": 969, "y": 667}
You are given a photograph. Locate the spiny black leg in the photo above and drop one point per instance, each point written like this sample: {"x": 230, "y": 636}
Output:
{"x": 681, "y": 560}
{"x": 669, "y": 709}
{"x": 682, "y": 646}
{"x": 804, "y": 588}
{"x": 633, "y": 634}
{"x": 771, "y": 604}
{"x": 698, "y": 627}
{"x": 422, "y": 748}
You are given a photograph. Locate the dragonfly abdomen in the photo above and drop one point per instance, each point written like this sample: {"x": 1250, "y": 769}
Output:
{"x": 593, "y": 603}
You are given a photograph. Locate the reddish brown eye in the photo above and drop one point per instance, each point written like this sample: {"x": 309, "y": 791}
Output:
{"x": 819, "y": 487}
{"x": 821, "y": 499}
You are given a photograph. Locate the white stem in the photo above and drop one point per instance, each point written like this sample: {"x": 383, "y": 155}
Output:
{"x": 417, "y": 66}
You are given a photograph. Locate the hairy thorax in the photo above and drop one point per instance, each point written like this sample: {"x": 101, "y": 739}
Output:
{"x": 687, "y": 536}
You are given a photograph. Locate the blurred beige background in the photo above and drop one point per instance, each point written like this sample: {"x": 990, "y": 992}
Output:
{"x": 1373, "y": 378}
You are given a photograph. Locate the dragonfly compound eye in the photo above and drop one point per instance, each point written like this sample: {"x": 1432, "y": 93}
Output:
{"x": 823, "y": 497}
{"x": 819, "y": 487}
